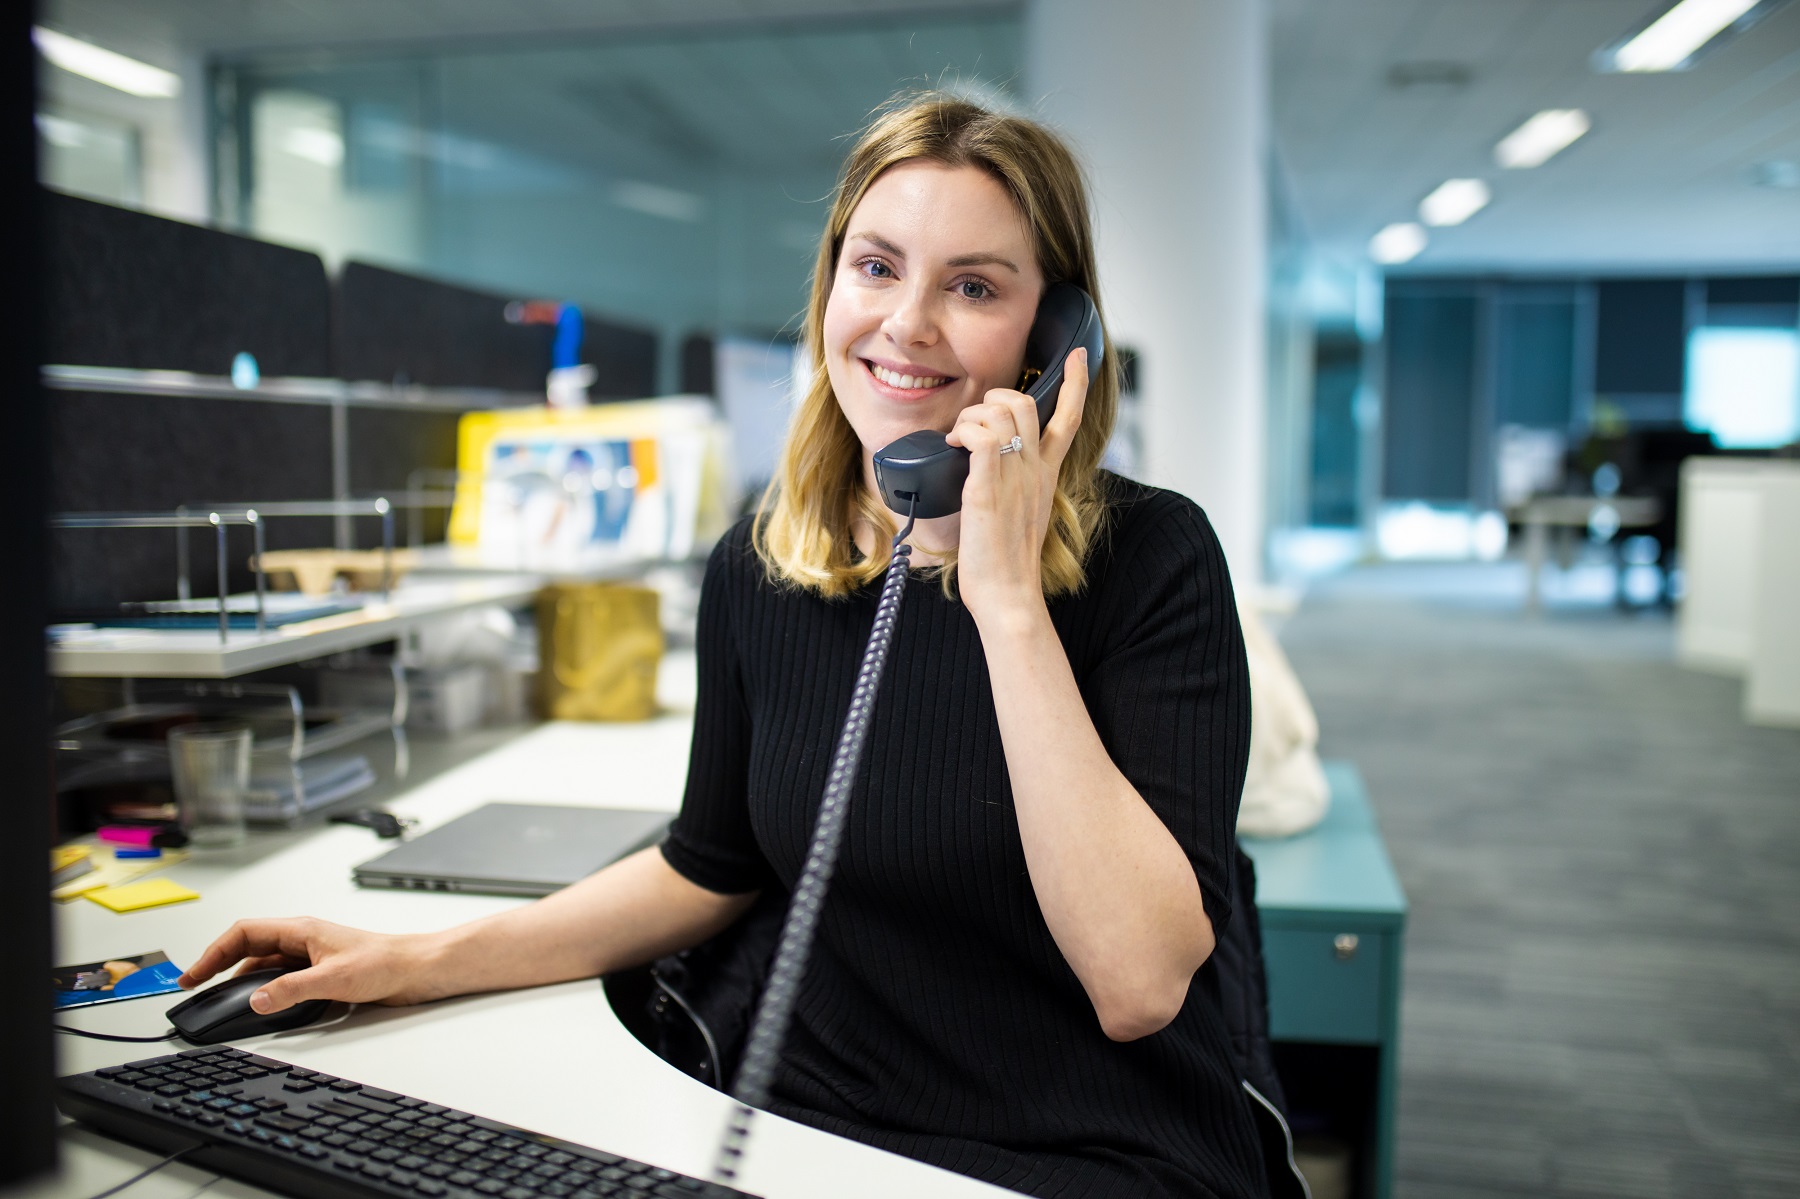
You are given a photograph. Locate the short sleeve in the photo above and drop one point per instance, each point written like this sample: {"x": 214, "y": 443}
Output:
{"x": 711, "y": 842}
{"x": 1170, "y": 692}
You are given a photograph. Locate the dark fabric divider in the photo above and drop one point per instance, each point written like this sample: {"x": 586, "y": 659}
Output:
{"x": 151, "y": 453}
{"x": 625, "y": 358}
{"x": 386, "y": 446}
{"x": 126, "y": 289}
{"x": 391, "y": 326}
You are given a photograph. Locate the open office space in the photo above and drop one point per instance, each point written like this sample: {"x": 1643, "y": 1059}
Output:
{"x": 870, "y": 597}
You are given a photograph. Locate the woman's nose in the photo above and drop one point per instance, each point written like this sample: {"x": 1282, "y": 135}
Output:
{"x": 913, "y": 319}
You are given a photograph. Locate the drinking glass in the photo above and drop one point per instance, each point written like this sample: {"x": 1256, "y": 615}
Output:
{"x": 211, "y": 765}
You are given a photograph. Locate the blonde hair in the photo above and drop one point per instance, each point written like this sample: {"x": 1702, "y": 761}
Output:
{"x": 804, "y": 522}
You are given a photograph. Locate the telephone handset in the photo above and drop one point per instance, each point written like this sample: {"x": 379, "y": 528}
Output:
{"x": 922, "y": 475}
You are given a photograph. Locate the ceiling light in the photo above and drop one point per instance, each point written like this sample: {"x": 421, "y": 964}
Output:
{"x": 1671, "y": 41}
{"x": 105, "y": 66}
{"x": 1454, "y": 201}
{"x": 1541, "y": 138}
{"x": 1397, "y": 243}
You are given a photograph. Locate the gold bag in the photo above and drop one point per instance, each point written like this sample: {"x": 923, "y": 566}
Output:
{"x": 600, "y": 645}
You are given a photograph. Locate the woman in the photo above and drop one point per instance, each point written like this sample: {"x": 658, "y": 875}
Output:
{"x": 1009, "y": 978}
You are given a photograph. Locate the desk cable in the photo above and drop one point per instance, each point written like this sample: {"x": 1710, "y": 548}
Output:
{"x": 762, "y": 1052}
{"x": 146, "y": 1172}
{"x": 107, "y": 1036}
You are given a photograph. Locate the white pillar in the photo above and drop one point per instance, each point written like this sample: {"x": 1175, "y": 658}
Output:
{"x": 1166, "y": 102}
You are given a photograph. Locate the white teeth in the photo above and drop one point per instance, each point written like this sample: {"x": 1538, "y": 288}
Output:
{"x": 906, "y": 382}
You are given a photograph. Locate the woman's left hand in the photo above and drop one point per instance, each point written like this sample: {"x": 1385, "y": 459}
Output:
{"x": 1008, "y": 499}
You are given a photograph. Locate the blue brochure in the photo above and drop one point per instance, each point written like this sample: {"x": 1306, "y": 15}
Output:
{"x": 115, "y": 979}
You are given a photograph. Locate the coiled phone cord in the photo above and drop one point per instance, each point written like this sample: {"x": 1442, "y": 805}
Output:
{"x": 762, "y": 1052}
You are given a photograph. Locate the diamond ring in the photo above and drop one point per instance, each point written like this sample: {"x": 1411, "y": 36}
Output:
{"x": 1013, "y": 446}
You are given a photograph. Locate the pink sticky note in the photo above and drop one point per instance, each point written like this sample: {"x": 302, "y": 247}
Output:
{"x": 127, "y": 834}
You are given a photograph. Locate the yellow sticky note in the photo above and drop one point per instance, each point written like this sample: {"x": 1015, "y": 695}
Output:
{"x": 149, "y": 894}
{"x": 68, "y": 855}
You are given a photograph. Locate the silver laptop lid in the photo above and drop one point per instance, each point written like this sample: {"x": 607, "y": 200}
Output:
{"x": 514, "y": 849}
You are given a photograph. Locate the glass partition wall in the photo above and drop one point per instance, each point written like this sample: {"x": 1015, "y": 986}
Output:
{"x": 676, "y": 181}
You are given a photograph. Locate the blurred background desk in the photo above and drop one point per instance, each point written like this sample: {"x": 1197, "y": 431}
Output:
{"x": 1333, "y": 925}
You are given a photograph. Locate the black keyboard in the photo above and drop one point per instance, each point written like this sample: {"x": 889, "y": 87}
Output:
{"x": 312, "y": 1134}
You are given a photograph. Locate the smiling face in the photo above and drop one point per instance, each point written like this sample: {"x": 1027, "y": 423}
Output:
{"x": 932, "y": 297}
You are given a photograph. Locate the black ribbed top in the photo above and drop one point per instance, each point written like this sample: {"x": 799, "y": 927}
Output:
{"x": 938, "y": 1019}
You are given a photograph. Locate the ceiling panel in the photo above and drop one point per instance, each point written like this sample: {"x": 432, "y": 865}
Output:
{"x": 1664, "y": 179}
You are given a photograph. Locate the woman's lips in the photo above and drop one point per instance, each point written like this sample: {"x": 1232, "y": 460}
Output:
{"x": 903, "y": 394}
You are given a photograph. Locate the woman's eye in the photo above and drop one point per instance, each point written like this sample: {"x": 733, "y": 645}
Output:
{"x": 974, "y": 289}
{"x": 874, "y": 268}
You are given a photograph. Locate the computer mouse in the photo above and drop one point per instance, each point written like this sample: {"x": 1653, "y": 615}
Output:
{"x": 222, "y": 1012}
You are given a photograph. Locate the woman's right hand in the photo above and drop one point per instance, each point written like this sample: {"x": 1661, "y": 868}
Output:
{"x": 345, "y": 964}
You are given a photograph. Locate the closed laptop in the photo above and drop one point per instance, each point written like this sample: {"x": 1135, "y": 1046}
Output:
{"x": 514, "y": 849}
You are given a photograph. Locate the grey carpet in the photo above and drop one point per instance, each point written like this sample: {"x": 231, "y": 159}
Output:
{"x": 1602, "y": 985}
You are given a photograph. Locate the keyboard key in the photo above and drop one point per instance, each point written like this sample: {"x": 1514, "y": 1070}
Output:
{"x": 164, "y": 1105}
{"x": 362, "y": 1147}
{"x": 490, "y": 1186}
{"x": 517, "y": 1192}
{"x": 242, "y": 1109}
{"x": 202, "y": 1097}
{"x": 375, "y": 1170}
{"x": 412, "y": 1161}
{"x": 298, "y": 1085}
{"x": 261, "y": 1134}
{"x": 344, "y": 1085}
{"x": 270, "y": 1105}
{"x": 264, "y": 1062}
{"x": 286, "y": 1144}
{"x": 208, "y": 1120}
{"x": 386, "y": 1155}
{"x": 281, "y": 1123}
{"x": 314, "y": 1151}
{"x": 346, "y": 1163}
{"x": 560, "y": 1158}
{"x": 337, "y": 1140}
{"x": 438, "y": 1170}
{"x": 428, "y": 1186}
{"x": 374, "y": 1093}
{"x": 464, "y": 1178}
{"x": 402, "y": 1178}
{"x": 409, "y": 1101}
{"x": 237, "y": 1128}
{"x": 112, "y": 1072}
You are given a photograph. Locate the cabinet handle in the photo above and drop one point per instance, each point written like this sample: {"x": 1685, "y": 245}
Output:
{"x": 1344, "y": 946}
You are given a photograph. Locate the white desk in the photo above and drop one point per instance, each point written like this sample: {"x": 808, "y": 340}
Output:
{"x": 553, "y": 1059}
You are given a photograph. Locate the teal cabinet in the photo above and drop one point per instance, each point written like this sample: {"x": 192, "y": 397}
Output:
{"x": 1329, "y": 984}
{"x": 1333, "y": 924}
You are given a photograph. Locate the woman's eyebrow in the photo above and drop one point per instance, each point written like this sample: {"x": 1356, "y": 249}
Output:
{"x": 983, "y": 259}
{"x": 880, "y": 243}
